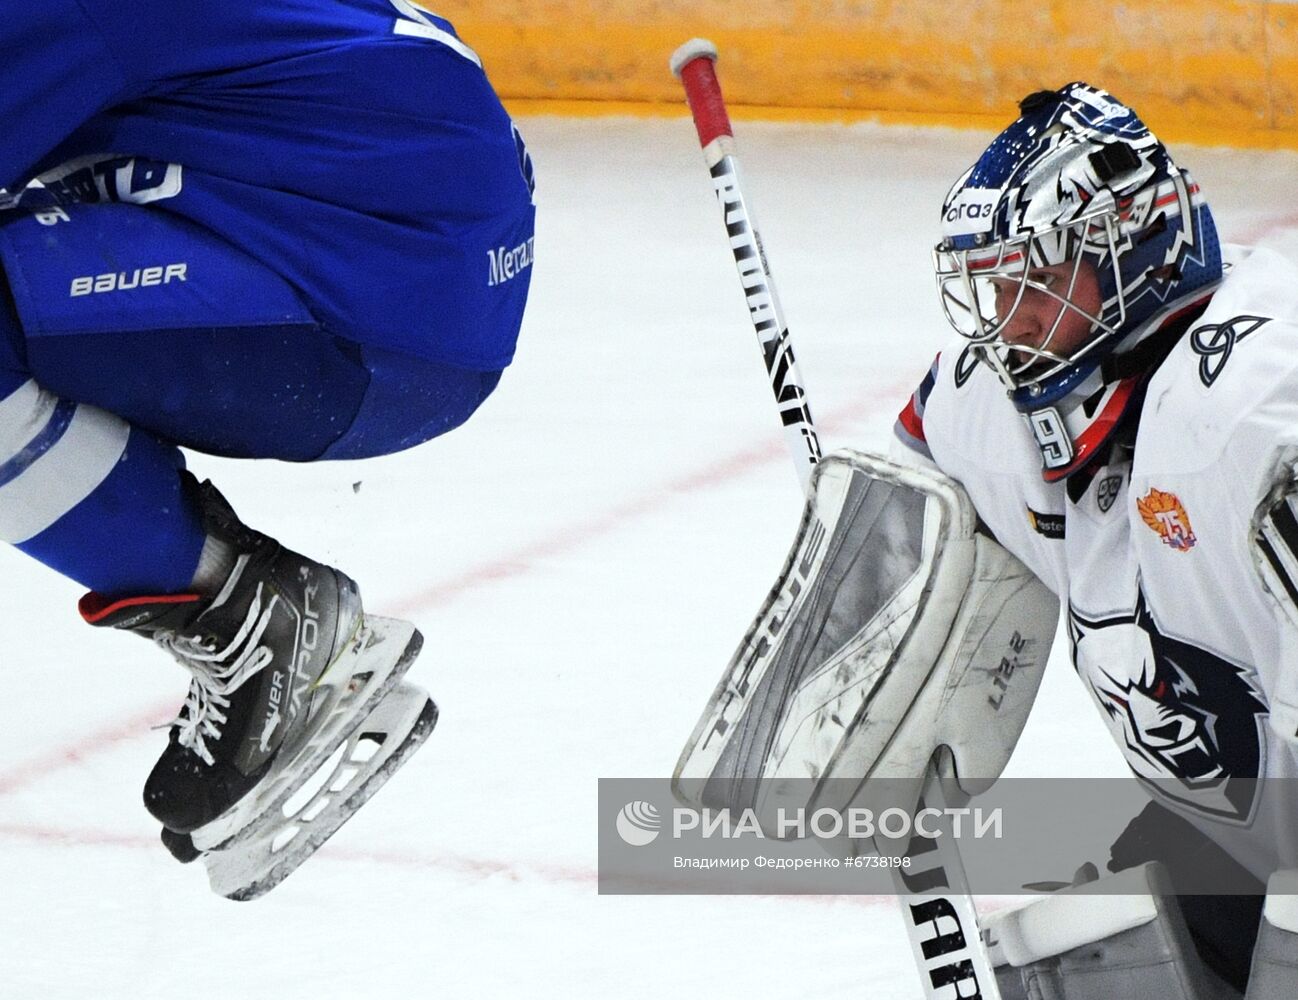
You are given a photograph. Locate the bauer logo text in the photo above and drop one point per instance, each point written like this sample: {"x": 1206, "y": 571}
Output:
{"x": 125, "y": 281}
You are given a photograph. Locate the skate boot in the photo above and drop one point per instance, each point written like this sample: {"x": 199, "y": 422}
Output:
{"x": 286, "y": 670}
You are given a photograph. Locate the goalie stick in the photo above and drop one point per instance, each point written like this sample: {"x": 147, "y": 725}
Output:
{"x": 693, "y": 64}
{"x": 941, "y": 921}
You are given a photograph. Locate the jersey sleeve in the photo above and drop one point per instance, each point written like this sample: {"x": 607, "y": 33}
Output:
{"x": 1273, "y": 539}
{"x": 1261, "y": 478}
{"x": 909, "y": 428}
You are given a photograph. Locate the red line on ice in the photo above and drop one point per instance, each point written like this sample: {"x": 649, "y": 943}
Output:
{"x": 571, "y": 536}
{"x": 48, "y": 835}
{"x": 456, "y": 864}
{"x": 28, "y": 772}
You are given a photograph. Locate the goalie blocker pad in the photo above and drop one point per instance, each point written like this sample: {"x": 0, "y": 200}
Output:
{"x": 895, "y": 629}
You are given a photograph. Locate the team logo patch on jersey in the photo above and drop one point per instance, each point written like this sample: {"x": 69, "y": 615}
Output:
{"x": 965, "y": 365}
{"x": 1213, "y": 342}
{"x": 1107, "y": 492}
{"x": 1188, "y": 721}
{"x": 1166, "y": 514}
{"x": 106, "y": 178}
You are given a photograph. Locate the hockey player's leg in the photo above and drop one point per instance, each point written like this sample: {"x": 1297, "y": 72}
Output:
{"x": 285, "y": 668}
{"x": 295, "y": 713}
{"x": 266, "y": 634}
{"x": 82, "y": 491}
{"x": 237, "y": 779}
{"x": 283, "y": 664}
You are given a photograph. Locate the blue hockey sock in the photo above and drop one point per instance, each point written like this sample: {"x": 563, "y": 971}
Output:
{"x": 91, "y": 497}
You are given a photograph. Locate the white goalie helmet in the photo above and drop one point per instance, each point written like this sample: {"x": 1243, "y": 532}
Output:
{"x": 1076, "y": 201}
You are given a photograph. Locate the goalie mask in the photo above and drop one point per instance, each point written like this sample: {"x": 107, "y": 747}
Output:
{"x": 1067, "y": 248}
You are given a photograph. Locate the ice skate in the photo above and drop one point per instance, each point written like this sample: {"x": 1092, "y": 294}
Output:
{"x": 253, "y": 865}
{"x": 289, "y": 680}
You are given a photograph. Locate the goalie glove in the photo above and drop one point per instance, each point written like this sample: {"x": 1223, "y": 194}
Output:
{"x": 894, "y": 630}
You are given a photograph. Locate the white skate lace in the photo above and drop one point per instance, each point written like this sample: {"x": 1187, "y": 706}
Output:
{"x": 217, "y": 674}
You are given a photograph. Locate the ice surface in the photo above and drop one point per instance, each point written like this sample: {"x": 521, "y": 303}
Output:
{"x": 582, "y": 557}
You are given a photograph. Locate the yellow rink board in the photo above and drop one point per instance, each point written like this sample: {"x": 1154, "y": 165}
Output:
{"x": 1210, "y": 71}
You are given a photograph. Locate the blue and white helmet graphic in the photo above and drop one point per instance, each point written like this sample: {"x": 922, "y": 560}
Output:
{"x": 1080, "y": 186}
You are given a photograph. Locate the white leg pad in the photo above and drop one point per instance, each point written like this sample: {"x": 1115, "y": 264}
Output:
{"x": 1274, "y": 974}
{"x": 1077, "y": 944}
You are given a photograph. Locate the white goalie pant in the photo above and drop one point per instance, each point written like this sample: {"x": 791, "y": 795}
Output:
{"x": 1274, "y": 973}
{"x": 895, "y": 630}
{"x": 1130, "y": 940}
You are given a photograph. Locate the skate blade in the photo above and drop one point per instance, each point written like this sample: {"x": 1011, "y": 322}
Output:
{"x": 394, "y": 731}
{"x": 377, "y": 660}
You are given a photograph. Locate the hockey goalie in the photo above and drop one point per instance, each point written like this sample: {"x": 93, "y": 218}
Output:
{"x": 1113, "y": 441}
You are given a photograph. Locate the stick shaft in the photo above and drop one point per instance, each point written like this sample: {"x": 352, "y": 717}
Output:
{"x": 938, "y": 909}
{"x": 694, "y": 64}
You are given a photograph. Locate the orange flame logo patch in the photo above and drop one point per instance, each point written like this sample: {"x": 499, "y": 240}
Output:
{"x": 1166, "y": 514}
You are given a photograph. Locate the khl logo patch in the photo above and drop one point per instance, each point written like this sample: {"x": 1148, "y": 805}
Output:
{"x": 1107, "y": 492}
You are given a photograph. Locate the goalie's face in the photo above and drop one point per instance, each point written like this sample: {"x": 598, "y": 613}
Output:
{"x": 1033, "y": 320}
{"x": 1050, "y": 314}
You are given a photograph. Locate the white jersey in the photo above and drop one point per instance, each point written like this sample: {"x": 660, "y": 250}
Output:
{"x": 1191, "y": 661}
